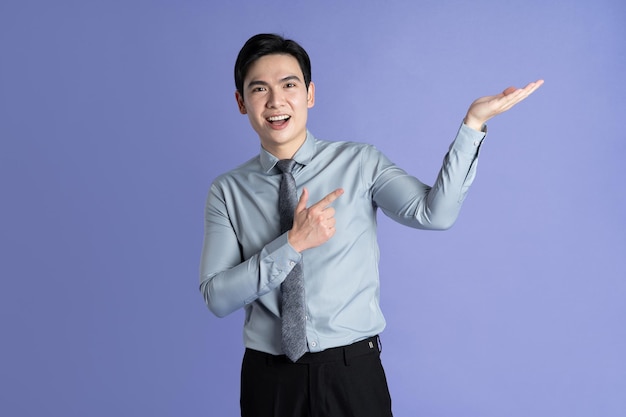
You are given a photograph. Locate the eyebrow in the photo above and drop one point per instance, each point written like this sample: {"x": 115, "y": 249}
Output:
{"x": 254, "y": 83}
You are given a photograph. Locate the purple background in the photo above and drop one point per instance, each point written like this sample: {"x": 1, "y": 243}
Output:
{"x": 116, "y": 116}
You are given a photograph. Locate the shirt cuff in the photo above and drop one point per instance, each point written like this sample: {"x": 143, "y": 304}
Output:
{"x": 285, "y": 257}
{"x": 469, "y": 140}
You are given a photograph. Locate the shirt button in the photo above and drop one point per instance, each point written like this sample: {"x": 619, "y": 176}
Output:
{"x": 291, "y": 263}
{"x": 313, "y": 344}
{"x": 476, "y": 143}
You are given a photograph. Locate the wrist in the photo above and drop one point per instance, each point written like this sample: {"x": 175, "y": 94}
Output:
{"x": 472, "y": 123}
{"x": 293, "y": 242}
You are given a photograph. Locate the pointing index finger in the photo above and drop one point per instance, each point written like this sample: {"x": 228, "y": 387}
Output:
{"x": 326, "y": 201}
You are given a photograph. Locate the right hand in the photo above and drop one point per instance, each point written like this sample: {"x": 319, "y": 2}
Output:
{"x": 313, "y": 226}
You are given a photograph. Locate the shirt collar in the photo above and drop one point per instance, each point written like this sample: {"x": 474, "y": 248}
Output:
{"x": 303, "y": 156}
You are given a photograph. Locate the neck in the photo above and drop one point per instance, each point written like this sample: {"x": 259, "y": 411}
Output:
{"x": 285, "y": 151}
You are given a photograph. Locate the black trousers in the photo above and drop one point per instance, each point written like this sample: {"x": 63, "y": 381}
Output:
{"x": 347, "y": 381}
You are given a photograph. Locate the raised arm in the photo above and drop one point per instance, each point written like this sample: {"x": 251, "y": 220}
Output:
{"x": 408, "y": 201}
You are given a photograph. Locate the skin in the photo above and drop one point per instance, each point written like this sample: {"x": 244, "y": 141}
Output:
{"x": 485, "y": 108}
{"x": 274, "y": 87}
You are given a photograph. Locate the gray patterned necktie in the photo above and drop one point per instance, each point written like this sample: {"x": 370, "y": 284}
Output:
{"x": 293, "y": 304}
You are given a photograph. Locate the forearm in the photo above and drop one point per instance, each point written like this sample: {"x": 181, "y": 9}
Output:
{"x": 410, "y": 202}
{"x": 227, "y": 283}
{"x": 445, "y": 198}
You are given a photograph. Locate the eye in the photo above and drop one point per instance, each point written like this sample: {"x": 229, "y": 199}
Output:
{"x": 290, "y": 85}
{"x": 258, "y": 89}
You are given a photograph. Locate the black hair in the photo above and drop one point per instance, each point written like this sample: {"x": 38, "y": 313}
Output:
{"x": 267, "y": 44}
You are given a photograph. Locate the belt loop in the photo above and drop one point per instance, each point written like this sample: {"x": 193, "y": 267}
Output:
{"x": 379, "y": 343}
{"x": 346, "y": 360}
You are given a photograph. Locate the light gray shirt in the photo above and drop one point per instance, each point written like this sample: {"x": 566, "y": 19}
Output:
{"x": 245, "y": 258}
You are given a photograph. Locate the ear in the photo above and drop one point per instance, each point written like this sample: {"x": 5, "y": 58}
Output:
{"x": 240, "y": 103}
{"x": 310, "y": 97}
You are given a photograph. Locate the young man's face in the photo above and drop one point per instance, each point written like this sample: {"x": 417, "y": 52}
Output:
{"x": 276, "y": 100}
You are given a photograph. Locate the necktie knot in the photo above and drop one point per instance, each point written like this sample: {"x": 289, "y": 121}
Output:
{"x": 286, "y": 165}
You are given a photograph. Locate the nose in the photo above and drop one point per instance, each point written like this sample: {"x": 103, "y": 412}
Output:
{"x": 275, "y": 99}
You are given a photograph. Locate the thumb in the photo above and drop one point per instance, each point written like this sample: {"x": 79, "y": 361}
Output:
{"x": 304, "y": 197}
{"x": 509, "y": 90}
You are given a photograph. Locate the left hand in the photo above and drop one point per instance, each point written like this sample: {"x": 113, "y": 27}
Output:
{"x": 487, "y": 107}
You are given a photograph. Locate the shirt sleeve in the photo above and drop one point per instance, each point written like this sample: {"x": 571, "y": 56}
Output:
{"x": 227, "y": 281}
{"x": 408, "y": 201}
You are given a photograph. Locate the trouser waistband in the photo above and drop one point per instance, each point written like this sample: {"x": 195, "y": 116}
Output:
{"x": 371, "y": 345}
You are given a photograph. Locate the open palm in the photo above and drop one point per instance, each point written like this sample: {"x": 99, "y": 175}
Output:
{"x": 487, "y": 107}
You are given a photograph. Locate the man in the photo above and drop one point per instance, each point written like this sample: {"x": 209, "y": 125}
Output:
{"x": 326, "y": 248}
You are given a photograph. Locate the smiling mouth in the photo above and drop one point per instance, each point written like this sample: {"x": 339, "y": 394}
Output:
{"x": 278, "y": 120}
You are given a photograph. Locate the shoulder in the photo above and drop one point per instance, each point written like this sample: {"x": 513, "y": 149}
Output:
{"x": 345, "y": 148}
{"x": 351, "y": 152}
{"x": 252, "y": 167}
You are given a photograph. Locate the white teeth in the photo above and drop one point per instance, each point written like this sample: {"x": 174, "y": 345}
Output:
{"x": 277, "y": 118}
